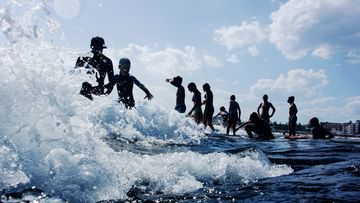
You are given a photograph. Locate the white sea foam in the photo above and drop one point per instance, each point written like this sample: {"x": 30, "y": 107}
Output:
{"x": 52, "y": 136}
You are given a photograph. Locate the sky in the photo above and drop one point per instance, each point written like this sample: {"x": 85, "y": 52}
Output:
{"x": 309, "y": 49}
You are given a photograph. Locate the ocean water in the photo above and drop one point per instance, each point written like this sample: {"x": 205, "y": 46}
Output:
{"x": 57, "y": 146}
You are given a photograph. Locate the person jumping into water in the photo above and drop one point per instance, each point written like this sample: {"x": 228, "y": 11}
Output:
{"x": 180, "y": 93}
{"x": 99, "y": 66}
{"x": 265, "y": 108}
{"x": 125, "y": 83}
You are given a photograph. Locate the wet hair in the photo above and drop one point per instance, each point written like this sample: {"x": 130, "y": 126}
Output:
{"x": 222, "y": 108}
{"x": 191, "y": 86}
{"x": 314, "y": 122}
{"x": 178, "y": 80}
{"x": 206, "y": 86}
{"x": 232, "y": 97}
{"x": 291, "y": 99}
{"x": 254, "y": 116}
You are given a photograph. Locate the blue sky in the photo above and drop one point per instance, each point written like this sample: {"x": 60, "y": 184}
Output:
{"x": 305, "y": 48}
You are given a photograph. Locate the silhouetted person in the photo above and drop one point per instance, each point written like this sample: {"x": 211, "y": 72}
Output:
{"x": 292, "y": 116}
{"x": 196, "y": 111}
{"x": 125, "y": 83}
{"x": 234, "y": 115}
{"x": 224, "y": 115}
{"x": 317, "y": 131}
{"x": 258, "y": 126}
{"x": 99, "y": 66}
{"x": 265, "y": 108}
{"x": 180, "y": 94}
{"x": 209, "y": 106}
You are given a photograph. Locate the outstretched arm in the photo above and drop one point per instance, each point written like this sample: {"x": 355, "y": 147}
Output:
{"x": 216, "y": 115}
{"x": 242, "y": 125}
{"x": 149, "y": 96}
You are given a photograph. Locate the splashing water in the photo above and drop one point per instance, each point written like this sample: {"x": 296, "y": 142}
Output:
{"x": 51, "y": 137}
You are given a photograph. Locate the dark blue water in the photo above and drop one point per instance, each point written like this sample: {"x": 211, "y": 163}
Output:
{"x": 324, "y": 171}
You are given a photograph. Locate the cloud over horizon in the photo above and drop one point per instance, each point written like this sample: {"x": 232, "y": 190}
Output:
{"x": 295, "y": 82}
{"x": 320, "y": 28}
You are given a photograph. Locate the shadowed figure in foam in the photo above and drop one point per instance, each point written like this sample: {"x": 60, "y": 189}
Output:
{"x": 234, "y": 115}
{"x": 209, "y": 106}
{"x": 196, "y": 110}
{"x": 180, "y": 93}
{"x": 125, "y": 82}
{"x": 98, "y": 66}
{"x": 224, "y": 115}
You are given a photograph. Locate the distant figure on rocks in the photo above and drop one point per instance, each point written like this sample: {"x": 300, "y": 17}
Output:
{"x": 209, "y": 106}
{"x": 98, "y": 66}
{"x": 125, "y": 83}
{"x": 292, "y": 116}
{"x": 317, "y": 131}
{"x": 265, "y": 108}
{"x": 224, "y": 115}
{"x": 196, "y": 111}
{"x": 258, "y": 126}
{"x": 180, "y": 93}
{"x": 234, "y": 115}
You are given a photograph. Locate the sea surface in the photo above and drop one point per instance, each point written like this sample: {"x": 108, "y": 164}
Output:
{"x": 57, "y": 146}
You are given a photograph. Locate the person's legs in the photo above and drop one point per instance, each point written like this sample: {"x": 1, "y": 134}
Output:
{"x": 208, "y": 115}
{"x": 210, "y": 123}
{"x": 292, "y": 127}
{"x": 229, "y": 125}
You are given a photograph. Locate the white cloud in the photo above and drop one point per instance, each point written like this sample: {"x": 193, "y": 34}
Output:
{"x": 253, "y": 51}
{"x": 301, "y": 27}
{"x": 297, "y": 82}
{"x": 212, "y": 61}
{"x": 322, "y": 52}
{"x": 321, "y": 100}
{"x": 247, "y": 34}
{"x": 353, "y": 57}
{"x": 67, "y": 8}
{"x": 233, "y": 59}
{"x": 349, "y": 111}
{"x": 163, "y": 63}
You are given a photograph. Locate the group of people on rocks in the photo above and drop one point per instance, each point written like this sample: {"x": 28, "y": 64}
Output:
{"x": 100, "y": 66}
